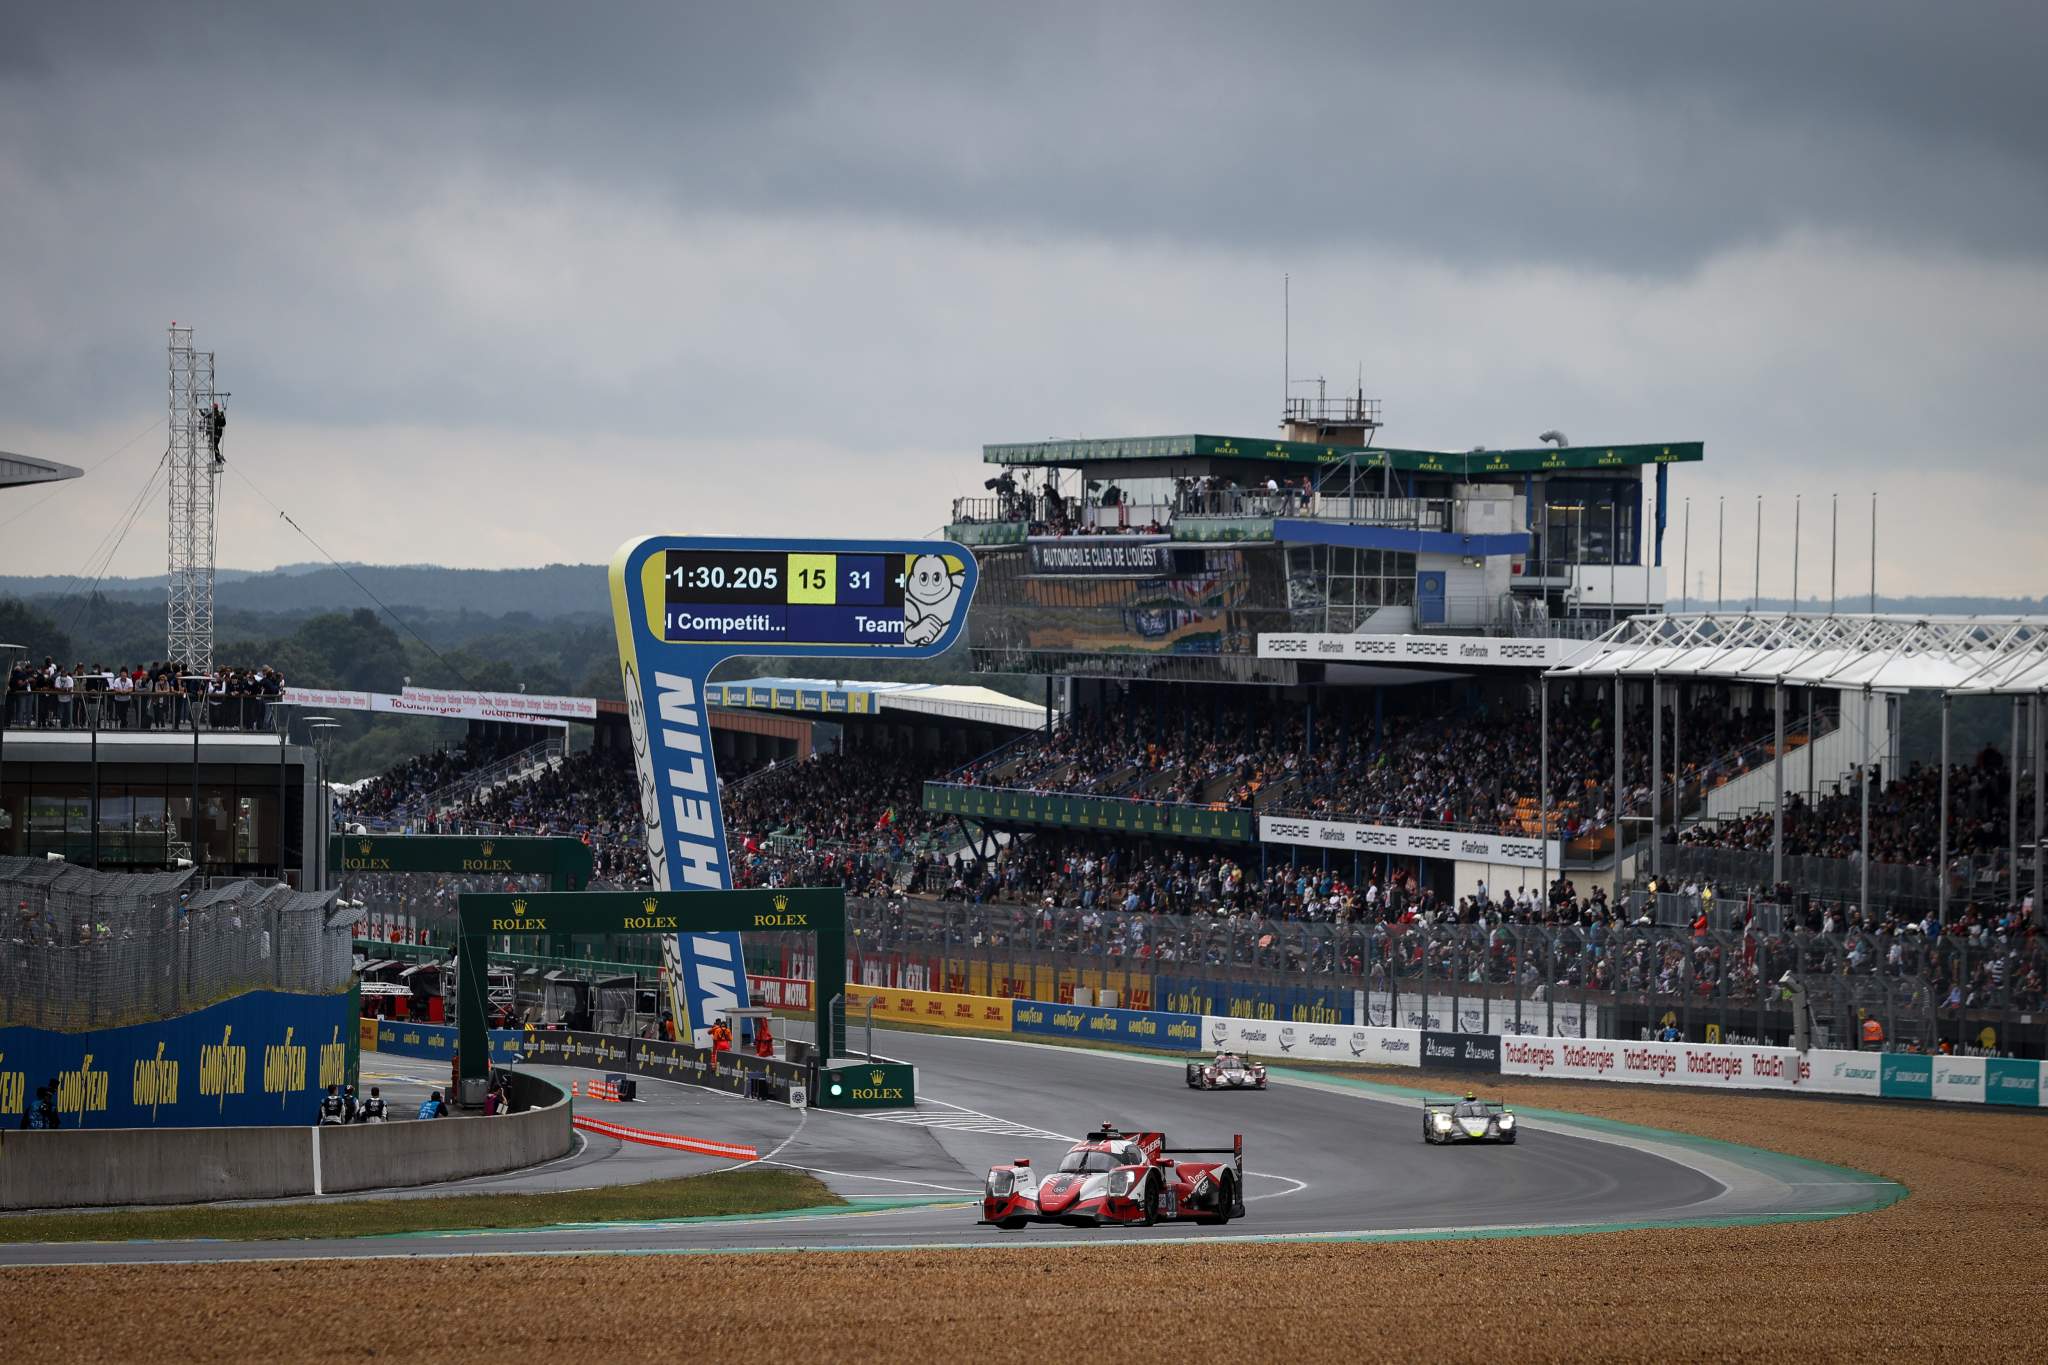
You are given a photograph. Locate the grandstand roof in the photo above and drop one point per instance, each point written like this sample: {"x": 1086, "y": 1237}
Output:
{"x": 827, "y": 697}
{"x": 1970, "y": 654}
{"x": 17, "y": 471}
{"x": 1464, "y": 464}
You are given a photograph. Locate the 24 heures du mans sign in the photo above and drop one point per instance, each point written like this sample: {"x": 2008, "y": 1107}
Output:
{"x": 681, "y": 912}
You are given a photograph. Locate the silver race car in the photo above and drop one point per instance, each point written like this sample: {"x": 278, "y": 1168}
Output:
{"x": 1226, "y": 1071}
{"x": 1468, "y": 1120}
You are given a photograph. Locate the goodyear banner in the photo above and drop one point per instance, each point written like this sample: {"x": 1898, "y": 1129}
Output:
{"x": 1140, "y": 1028}
{"x": 260, "y": 1058}
{"x": 1298, "y": 1004}
{"x": 438, "y": 1040}
{"x": 978, "y": 1013}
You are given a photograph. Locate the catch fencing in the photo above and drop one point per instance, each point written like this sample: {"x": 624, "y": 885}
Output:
{"x": 88, "y": 950}
{"x": 1983, "y": 990}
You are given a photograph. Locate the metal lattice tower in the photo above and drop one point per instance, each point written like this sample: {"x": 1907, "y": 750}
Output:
{"x": 195, "y": 489}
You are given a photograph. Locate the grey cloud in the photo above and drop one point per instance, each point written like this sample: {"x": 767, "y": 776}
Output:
{"x": 1640, "y": 137}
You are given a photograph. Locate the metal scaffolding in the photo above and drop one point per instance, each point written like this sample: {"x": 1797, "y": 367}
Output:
{"x": 194, "y": 491}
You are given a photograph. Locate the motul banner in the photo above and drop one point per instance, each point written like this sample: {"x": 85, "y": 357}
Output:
{"x": 779, "y": 992}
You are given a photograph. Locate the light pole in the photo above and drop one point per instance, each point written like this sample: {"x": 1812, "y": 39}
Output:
{"x": 317, "y": 728}
{"x": 9, "y": 652}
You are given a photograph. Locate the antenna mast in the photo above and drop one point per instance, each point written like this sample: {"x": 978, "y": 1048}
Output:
{"x": 194, "y": 491}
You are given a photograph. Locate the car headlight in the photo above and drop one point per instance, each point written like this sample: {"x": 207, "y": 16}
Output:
{"x": 1119, "y": 1183}
{"x": 1443, "y": 1123}
{"x": 1000, "y": 1183}
{"x": 1507, "y": 1122}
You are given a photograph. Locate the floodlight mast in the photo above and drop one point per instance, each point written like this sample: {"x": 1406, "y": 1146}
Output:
{"x": 194, "y": 467}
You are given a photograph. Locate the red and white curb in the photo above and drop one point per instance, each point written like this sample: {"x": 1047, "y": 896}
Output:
{"x": 735, "y": 1151}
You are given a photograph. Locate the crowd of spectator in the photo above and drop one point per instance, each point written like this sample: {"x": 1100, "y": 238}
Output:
{"x": 159, "y": 695}
{"x": 1905, "y": 815}
{"x": 851, "y": 819}
{"x": 402, "y": 794}
{"x": 1479, "y": 770}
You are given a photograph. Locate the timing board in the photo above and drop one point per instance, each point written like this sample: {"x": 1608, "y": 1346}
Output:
{"x": 681, "y": 605}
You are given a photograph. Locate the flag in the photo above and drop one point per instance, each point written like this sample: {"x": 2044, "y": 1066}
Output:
{"x": 888, "y": 818}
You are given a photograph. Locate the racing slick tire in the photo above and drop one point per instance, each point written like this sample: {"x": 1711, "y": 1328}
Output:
{"x": 1013, "y": 1224}
{"x": 1509, "y": 1139}
{"x": 1194, "y": 1076}
{"x": 1149, "y": 1217}
{"x": 1226, "y": 1203}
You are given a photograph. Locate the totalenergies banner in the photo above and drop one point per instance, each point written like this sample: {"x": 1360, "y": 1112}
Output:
{"x": 260, "y": 1058}
{"x": 980, "y": 1013}
{"x": 1720, "y": 1066}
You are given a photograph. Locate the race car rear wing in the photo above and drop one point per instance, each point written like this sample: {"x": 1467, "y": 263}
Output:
{"x": 1235, "y": 1151}
{"x": 1447, "y": 1106}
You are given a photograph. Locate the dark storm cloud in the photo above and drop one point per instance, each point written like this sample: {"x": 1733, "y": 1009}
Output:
{"x": 1639, "y": 137}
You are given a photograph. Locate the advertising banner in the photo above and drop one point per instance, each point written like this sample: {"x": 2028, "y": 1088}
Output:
{"x": 1831, "y": 1072}
{"x": 1461, "y": 1052}
{"x": 1112, "y": 556}
{"x": 735, "y": 1072}
{"x": 1959, "y": 1080}
{"x": 1456, "y": 652}
{"x": 1245, "y": 1000}
{"x": 444, "y": 701}
{"x": 260, "y": 1058}
{"x": 1608, "y": 1059}
{"x": 1905, "y": 1076}
{"x": 2014, "y": 1081}
{"x": 1401, "y": 841}
{"x": 779, "y": 992}
{"x": 438, "y": 1040}
{"x": 979, "y": 1013}
{"x": 1450, "y": 1014}
{"x": 1312, "y": 1042}
{"x": 868, "y": 1085}
{"x": 1143, "y": 1028}
{"x": 327, "y": 699}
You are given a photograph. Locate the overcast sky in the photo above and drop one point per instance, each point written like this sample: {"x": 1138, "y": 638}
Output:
{"x": 508, "y": 284}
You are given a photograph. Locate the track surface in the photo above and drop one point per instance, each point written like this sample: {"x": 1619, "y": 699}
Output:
{"x": 1322, "y": 1158}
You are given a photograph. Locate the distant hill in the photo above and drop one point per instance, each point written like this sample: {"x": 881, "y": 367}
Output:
{"x": 553, "y": 590}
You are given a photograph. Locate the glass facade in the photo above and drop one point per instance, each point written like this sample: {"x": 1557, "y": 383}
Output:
{"x": 1337, "y": 588}
{"x": 146, "y": 820}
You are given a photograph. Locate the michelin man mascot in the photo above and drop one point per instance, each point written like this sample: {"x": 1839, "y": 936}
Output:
{"x": 931, "y": 594}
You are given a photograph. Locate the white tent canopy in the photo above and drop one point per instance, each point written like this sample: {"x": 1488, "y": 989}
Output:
{"x": 1883, "y": 653}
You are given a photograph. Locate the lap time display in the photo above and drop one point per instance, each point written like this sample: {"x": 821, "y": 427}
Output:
{"x": 774, "y": 597}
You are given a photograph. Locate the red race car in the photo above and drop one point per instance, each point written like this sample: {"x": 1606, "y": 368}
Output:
{"x": 1118, "y": 1177}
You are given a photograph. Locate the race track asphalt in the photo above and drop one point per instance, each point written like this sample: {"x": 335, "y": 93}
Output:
{"x": 1323, "y": 1158}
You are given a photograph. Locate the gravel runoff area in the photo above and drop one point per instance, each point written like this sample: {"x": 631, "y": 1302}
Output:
{"x": 1955, "y": 1271}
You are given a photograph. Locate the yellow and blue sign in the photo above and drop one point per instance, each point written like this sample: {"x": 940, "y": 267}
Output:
{"x": 680, "y": 606}
{"x": 1243, "y": 1000}
{"x": 438, "y": 1040}
{"x": 1137, "y": 1028}
{"x": 260, "y": 1058}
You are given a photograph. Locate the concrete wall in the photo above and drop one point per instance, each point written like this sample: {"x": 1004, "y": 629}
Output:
{"x": 377, "y": 1156}
{"x": 80, "y": 1168}
{"x": 73, "y": 1168}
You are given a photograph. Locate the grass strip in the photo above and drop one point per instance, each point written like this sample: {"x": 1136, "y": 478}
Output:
{"x": 720, "y": 1194}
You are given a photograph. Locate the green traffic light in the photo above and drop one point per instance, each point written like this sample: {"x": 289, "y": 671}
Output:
{"x": 835, "y": 1088}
